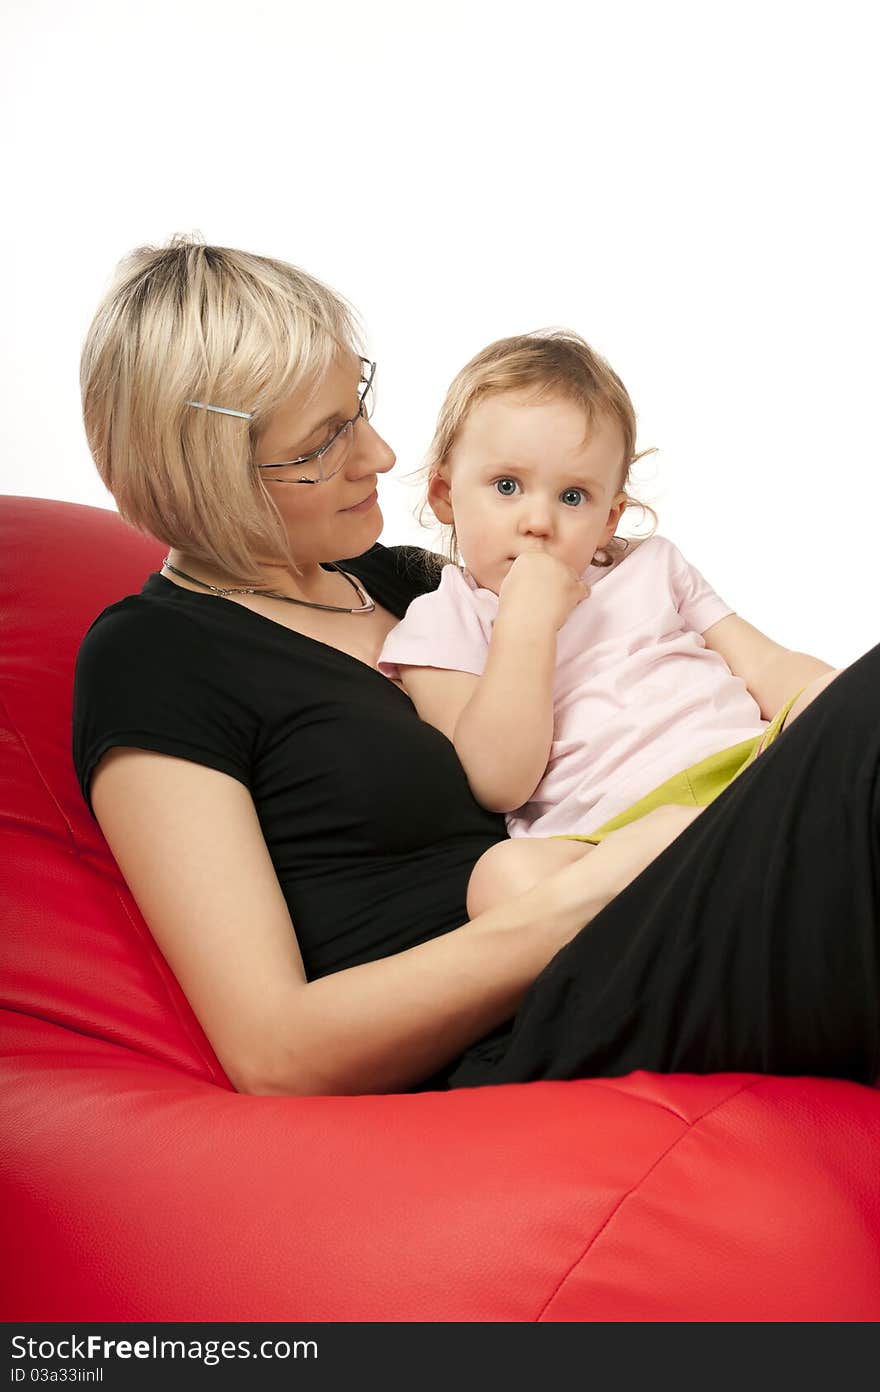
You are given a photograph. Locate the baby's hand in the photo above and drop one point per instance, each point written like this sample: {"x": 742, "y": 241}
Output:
{"x": 540, "y": 585}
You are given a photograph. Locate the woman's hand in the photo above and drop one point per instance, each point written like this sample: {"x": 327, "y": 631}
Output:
{"x": 598, "y": 876}
{"x": 636, "y": 845}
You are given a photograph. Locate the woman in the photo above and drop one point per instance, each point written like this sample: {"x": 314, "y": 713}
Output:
{"x": 300, "y": 843}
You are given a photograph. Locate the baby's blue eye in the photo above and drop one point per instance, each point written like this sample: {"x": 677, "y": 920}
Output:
{"x": 506, "y": 487}
{"x": 573, "y": 497}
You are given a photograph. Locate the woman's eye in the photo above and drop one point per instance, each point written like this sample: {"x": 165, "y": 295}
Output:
{"x": 506, "y": 487}
{"x": 338, "y": 433}
{"x": 573, "y": 497}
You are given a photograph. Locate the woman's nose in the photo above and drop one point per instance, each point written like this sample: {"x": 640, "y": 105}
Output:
{"x": 371, "y": 454}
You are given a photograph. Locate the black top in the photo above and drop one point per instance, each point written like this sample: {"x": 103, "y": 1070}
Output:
{"x": 367, "y": 814}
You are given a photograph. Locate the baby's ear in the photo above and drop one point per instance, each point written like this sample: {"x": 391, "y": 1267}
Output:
{"x": 439, "y": 498}
{"x": 615, "y": 512}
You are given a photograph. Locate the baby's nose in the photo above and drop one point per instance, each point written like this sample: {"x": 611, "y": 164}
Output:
{"x": 535, "y": 520}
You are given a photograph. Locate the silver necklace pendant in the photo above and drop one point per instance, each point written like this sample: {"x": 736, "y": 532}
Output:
{"x": 366, "y": 605}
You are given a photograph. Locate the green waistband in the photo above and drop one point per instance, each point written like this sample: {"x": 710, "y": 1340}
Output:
{"x": 697, "y": 785}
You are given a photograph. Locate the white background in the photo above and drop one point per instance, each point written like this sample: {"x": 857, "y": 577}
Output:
{"x": 692, "y": 186}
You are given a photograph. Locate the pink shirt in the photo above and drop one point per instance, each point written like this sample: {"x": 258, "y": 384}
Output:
{"x": 637, "y": 695}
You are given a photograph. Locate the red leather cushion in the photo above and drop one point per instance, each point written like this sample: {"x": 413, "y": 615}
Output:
{"x": 139, "y": 1186}
{"x": 97, "y": 969}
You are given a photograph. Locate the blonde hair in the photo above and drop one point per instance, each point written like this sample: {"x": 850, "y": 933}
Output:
{"x": 552, "y": 362}
{"x": 193, "y": 322}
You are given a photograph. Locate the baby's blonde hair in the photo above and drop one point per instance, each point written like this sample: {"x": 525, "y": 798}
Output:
{"x": 193, "y": 322}
{"x": 550, "y": 362}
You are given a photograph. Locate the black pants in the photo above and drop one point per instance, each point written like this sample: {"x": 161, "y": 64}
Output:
{"x": 751, "y": 944}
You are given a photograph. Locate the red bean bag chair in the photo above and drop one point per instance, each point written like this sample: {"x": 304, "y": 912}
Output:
{"x": 138, "y": 1185}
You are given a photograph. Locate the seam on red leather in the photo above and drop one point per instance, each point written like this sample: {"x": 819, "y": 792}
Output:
{"x": 14, "y": 730}
{"x": 152, "y": 949}
{"x": 603, "y": 1086}
{"x": 66, "y": 1030}
{"x": 209, "y": 1062}
{"x": 688, "y": 1127}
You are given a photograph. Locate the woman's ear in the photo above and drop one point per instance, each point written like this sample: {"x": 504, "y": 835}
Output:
{"x": 440, "y": 496}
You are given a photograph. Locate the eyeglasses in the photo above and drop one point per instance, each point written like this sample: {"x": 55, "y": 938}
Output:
{"x": 339, "y": 442}
{"x": 337, "y": 448}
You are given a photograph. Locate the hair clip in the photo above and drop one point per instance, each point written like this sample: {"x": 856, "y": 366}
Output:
{"x": 224, "y": 410}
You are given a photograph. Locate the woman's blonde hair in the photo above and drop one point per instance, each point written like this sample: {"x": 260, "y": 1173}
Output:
{"x": 549, "y": 362}
{"x": 193, "y": 322}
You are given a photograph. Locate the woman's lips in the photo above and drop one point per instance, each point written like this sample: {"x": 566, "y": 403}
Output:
{"x": 366, "y": 504}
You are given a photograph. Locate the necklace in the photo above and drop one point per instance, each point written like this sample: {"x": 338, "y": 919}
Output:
{"x": 366, "y": 604}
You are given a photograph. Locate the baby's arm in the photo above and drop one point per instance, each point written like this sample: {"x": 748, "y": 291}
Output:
{"x": 501, "y": 722}
{"x": 771, "y": 672}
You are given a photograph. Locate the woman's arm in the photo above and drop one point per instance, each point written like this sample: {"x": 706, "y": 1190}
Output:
{"x": 771, "y": 673}
{"x": 188, "y": 842}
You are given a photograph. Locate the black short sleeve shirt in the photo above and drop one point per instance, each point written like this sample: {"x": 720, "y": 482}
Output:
{"x": 367, "y": 814}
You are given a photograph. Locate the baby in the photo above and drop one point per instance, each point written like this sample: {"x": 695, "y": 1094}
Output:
{"x": 583, "y": 680}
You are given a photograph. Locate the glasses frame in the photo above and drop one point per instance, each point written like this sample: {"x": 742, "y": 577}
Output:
{"x": 318, "y": 454}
